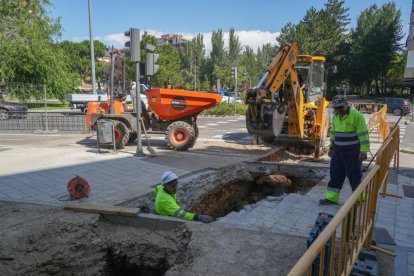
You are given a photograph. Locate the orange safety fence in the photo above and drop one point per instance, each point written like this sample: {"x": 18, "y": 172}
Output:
{"x": 377, "y": 120}
{"x": 354, "y": 222}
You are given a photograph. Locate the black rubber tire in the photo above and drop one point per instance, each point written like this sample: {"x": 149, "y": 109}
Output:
{"x": 4, "y": 115}
{"x": 397, "y": 112}
{"x": 180, "y": 136}
{"x": 268, "y": 139}
{"x": 121, "y": 135}
{"x": 248, "y": 118}
{"x": 196, "y": 131}
{"x": 132, "y": 137}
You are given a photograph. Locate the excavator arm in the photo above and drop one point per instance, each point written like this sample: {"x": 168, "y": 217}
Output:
{"x": 280, "y": 73}
{"x": 278, "y": 107}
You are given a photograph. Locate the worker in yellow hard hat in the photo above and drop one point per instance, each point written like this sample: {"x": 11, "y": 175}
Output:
{"x": 166, "y": 202}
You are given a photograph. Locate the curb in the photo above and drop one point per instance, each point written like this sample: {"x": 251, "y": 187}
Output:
{"x": 407, "y": 151}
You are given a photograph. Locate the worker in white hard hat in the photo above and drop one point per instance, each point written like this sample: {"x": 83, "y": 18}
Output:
{"x": 166, "y": 202}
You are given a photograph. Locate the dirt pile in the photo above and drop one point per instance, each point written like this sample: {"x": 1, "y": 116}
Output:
{"x": 39, "y": 240}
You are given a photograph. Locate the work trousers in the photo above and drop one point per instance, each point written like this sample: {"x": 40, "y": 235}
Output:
{"x": 343, "y": 164}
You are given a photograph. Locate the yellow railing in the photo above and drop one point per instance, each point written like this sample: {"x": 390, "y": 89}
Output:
{"x": 378, "y": 120}
{"x": 356, "y": 220}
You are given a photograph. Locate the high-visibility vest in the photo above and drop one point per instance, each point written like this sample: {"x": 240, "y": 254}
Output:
{"x": 350, "y": 132}
{"x": 166, "y": 205}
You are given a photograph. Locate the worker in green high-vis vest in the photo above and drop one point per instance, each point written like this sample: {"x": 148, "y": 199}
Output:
{"x": 166, "y": 201}
{"x": 348, "y": 148}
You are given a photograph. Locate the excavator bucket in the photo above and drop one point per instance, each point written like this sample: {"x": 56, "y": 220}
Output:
{"x": 173, "y": 104}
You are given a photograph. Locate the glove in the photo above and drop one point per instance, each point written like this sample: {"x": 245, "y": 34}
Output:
{"x": 205, "y": 218}
{"x": 330, "y": 152}
{"x": 362, "y": 156}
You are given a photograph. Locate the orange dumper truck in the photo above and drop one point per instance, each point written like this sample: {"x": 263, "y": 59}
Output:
{"x": 171, "y": 112}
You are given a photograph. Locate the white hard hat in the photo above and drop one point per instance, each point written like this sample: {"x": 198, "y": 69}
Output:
{"x": 168, "y": 177}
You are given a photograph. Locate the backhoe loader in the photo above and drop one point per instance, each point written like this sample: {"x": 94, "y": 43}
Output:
{"x": 288, "y": 103}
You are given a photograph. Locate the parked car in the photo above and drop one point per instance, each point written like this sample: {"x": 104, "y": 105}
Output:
{"x": 12, "y": 110}
{"x": 398, "y": 106}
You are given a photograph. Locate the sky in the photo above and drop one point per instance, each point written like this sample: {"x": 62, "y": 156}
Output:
{"x": 256, "y": 22}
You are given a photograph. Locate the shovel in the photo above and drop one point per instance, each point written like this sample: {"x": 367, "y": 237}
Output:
{"x": 150, "y": 150}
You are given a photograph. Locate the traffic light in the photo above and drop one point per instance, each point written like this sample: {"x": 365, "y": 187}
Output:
{"x": 234, "y": 72}
{"x": 133, "y": 44}
{"x": 150, "y": 66}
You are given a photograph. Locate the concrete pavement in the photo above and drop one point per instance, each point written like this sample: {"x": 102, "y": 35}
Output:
{"x": 38, "y": 173}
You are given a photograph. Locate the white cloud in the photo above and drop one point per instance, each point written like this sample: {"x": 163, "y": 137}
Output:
{"x": 253, "y": 39}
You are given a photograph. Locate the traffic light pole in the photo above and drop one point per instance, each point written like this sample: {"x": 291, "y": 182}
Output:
{"x": 139, "y": 152}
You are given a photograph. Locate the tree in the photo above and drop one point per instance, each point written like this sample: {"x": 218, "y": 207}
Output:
{"x": 192, "y": 61}
{"x": 27, "y": 50}
{"x": 169, "y": 62}
{"x": 80, "y": 60}
{"x": 248, "y": 61}
{"x": 375, "y": 42}
{"x": 287, "y": 34}
{"x": 265, "y": 56}
{"x": 395, "y": 74}
{"x": 320, "y": 31}
{"x": 219, "y": 68}
{"x": 235, "y": 48}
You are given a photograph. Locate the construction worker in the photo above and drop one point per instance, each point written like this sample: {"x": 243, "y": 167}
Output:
{"x": 348, "y": 148}
{"x": 166, "y": 202}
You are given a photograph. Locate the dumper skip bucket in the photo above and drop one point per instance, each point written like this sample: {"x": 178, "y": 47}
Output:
{"x": 173, "y": 104}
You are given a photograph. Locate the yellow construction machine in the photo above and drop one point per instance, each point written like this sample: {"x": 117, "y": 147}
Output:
{"x": 288, "y": 103}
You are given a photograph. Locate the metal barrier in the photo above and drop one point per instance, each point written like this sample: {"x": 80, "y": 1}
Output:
{"x": 377, "y": 120}
{"x": 356, "y": 219}
{"x": 40, "y": 121}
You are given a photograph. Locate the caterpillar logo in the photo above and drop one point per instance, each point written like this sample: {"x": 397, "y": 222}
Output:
{"x": 178, "y": 103}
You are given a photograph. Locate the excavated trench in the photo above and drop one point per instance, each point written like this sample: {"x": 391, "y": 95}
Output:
{"x": 237, "y": 194}
{"x": 223, "y": 191}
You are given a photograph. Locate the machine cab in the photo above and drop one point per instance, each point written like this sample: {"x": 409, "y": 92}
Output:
{"x": 311, "y": 74}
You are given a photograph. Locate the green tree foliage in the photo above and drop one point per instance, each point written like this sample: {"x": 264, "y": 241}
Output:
{"x": 395, "y": 73}
{"x": 320, "y": 31}
{"x": 192, "y": 56}
{"x": 235, "y": 48}
{"x": 375, "y": 42}
{"x": 28, "y": 53}
{"x": 248, "y": 61}
{"x": 80, "y": 59}
{"x": 169, "y": 62}
{"x": 265, "y": 56}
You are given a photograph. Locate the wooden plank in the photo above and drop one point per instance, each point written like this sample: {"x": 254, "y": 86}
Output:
{"x": 103, "y": 209}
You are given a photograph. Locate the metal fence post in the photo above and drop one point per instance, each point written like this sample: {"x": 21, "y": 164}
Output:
{"x": 46, "y": 127}
{"x": 45, "y": 93}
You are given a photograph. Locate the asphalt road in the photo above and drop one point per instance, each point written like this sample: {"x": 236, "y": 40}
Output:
{"x": 231, "y": 128}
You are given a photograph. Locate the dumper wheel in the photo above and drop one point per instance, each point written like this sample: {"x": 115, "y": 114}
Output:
{"x": 196, "y": 132}
{"x": 121, "y": 134}
{"x": 195, "y": 127}
{"x": 132, "y": 137}
{"x": 180, "y": 136}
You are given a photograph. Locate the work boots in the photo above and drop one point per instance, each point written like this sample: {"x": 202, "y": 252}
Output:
{"x": 327, "y": 202}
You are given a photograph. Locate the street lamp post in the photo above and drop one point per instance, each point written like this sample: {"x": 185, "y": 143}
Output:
{"x": 92, "y": 48}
